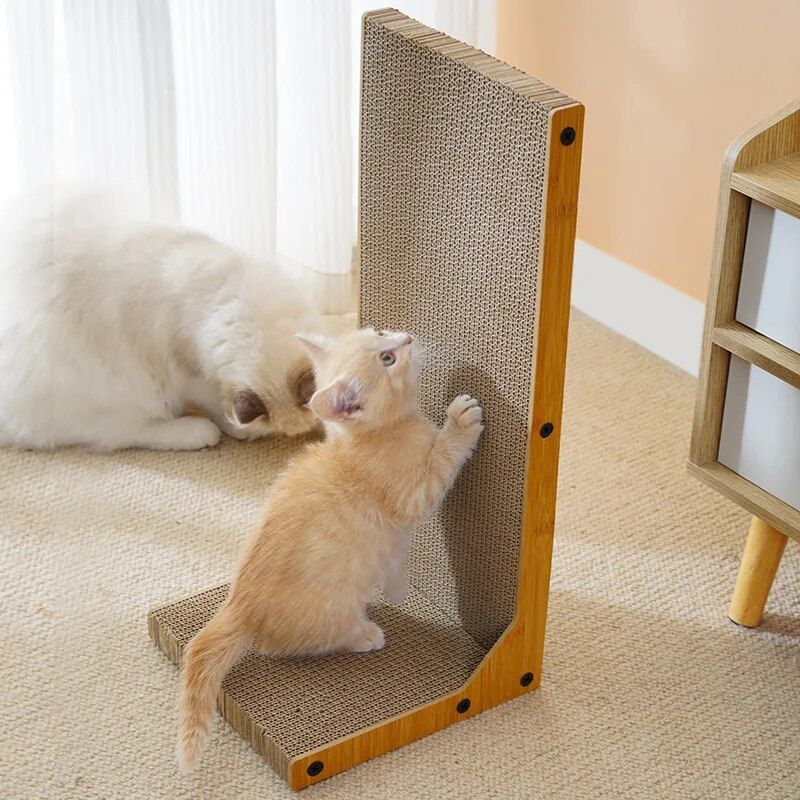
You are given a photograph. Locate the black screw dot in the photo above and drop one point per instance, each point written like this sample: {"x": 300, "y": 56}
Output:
{"x": 546, "y": 430}
{"x": 314, "y": 768}
{"x": 463, "y": 705}
{"x": 526, "y": 679}
{"x": 567, "y": 136}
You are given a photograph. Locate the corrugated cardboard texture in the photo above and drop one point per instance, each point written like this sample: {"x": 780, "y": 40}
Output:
{"x": 453, "y": 168}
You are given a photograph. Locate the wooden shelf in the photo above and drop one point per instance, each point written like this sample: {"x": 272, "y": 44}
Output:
{"x": 776, "y": 183}
{"x": 751, "y": 497}
{"x": 763, "y": 165}
{"x": 760, "y": 350}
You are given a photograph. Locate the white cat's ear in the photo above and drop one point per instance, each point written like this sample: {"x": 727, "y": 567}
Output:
{"x": 315, "y": 344}
{"x": 339, "y": 401}
{"x": 305, "y": 385}
{"x": 247, "y": 407}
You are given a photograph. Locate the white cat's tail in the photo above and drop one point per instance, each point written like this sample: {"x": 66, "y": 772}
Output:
{"x": 208, "y": 658}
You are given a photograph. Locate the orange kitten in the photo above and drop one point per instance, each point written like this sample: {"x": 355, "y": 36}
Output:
{"x": 337, "y": 521}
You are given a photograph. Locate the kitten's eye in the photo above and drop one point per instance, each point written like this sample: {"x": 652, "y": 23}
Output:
{"x": 387, "y": 358}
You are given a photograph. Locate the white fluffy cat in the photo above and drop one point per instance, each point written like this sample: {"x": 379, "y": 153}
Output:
{"x": 109, "y": 329}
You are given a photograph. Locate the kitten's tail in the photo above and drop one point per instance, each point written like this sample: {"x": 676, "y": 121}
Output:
{"x": 208, "y": 658}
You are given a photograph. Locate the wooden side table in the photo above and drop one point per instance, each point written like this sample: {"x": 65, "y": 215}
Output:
{"x": 746, "y": 434}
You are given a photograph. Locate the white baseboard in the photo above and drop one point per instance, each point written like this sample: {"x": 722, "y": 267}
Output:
{"x": 643, "y": 309}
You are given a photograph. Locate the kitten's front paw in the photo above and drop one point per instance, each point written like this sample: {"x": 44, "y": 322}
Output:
{"x": 466, "y": 413}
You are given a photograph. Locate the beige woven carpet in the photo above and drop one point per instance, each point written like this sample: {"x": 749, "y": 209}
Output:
{"x": 649, "y": 692}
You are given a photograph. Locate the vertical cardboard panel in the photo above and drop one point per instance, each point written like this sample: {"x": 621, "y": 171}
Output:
{"x": 453, "y": 172}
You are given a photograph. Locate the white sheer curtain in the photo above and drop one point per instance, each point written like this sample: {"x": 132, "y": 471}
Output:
{"x": 236, "y": 117}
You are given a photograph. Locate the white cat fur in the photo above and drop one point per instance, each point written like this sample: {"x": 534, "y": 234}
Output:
{"x": 108, "y": 329}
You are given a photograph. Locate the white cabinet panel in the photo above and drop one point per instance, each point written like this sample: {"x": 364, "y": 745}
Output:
{"x": 769, "y": 294}
{"x": 760, "y": 437}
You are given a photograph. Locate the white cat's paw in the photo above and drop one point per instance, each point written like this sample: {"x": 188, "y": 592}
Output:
{"x": 466, "y": 413}
{"x": 242, "y": 434}
{"x": 370, "y": 637}
{"x": 194, "y": 433}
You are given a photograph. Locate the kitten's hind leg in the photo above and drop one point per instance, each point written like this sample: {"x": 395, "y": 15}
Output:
{"x": 368, "y": 636}
{"x": 184, "y": 433}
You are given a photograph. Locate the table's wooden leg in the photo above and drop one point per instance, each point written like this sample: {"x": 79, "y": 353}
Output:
{"x": 762, "y": 555}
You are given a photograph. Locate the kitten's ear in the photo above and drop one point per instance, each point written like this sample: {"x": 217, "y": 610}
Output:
{"x": 248, "y": 406}
{"x": 341, "y": 400}
{"x": 304, "y": 387}
{"x": 315, "y": 344}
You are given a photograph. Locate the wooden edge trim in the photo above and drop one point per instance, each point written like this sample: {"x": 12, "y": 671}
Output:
{"x": 513, "y": 666}
{"x": 752, "y": 498}
{"x": 740, "y": 155}
{"x": 744, "y": 183}
{"x": 759, "y": 350}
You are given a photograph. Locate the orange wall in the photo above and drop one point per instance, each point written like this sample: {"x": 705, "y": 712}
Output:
{"x": 667, "y": 84}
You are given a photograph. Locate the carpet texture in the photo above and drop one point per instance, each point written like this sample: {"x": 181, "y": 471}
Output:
{"x": 648, "y": 690}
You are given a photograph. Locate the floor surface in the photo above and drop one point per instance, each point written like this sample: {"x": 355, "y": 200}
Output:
{"x": 648, "y": 690}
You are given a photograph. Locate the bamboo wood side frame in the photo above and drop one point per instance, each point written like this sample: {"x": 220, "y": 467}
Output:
{"x": 519, "y": 650}
{"x": 772, "y": 140}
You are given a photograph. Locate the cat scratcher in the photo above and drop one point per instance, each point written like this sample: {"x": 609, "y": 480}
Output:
{"x": 469, "y": 183}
